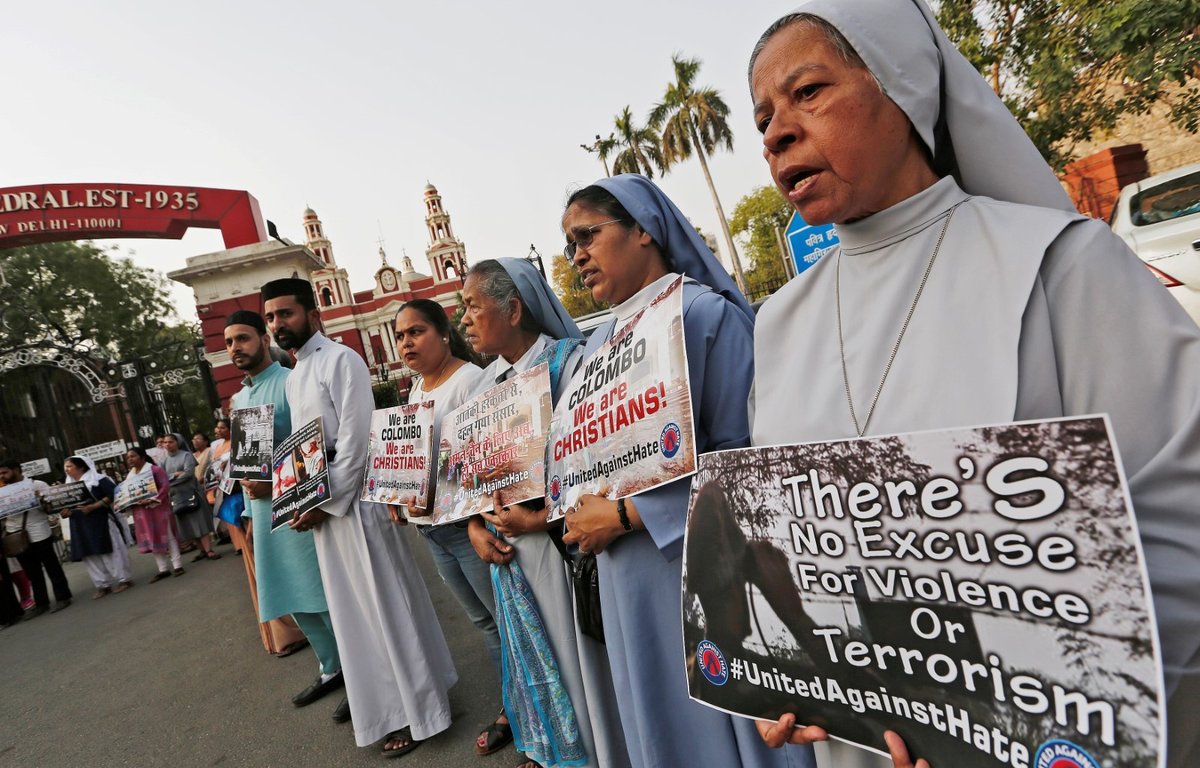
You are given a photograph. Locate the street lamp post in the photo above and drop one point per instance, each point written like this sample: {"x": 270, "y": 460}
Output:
{"x": 381, "y": 366}
{"x": 533, "y": 257}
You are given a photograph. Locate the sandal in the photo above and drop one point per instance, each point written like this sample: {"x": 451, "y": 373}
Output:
{"x": 159, "y": 576}
{"x": 291, "y": 648}
{"x": 211, "y": 555}
{"x": 498, "y": 735}
{"x": 403, "y": 735}
{"x": 102, "y": 592}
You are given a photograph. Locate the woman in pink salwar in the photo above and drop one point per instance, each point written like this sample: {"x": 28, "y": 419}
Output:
{"x": 154, "y": 521}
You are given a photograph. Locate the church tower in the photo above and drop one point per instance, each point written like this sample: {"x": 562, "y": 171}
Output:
{"x": 447, "y": 255}
{"x": 331, "y": 283}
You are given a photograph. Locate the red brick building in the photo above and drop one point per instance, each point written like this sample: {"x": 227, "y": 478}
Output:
{"x": 229, "y": 280}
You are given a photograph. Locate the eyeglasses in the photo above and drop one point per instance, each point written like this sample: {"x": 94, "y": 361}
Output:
{"x": 583, "y": 238}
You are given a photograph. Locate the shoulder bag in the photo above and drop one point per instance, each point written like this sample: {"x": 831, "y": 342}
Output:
{"x": 17, "y": 542}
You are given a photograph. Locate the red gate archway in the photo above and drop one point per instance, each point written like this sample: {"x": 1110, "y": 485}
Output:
{"x": 45, "y": 213}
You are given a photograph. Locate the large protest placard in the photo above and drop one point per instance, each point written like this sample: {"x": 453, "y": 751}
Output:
{"x": 400, "y": 460}
{"x": 134, "y": 490}
{"x": 18, "y": 498}
{"x": 62, "y": 497}
{"x": 300, "y": 477}
{"x": 252, "y": 431}
{"x": 624, "y": 424}
{"x": 980, "y": 591}
{"x": 494, "y": 443}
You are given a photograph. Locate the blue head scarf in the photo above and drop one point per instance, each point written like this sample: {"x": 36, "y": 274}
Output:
{"x": 549, "y": 312}
{"x": 680, "y": 242}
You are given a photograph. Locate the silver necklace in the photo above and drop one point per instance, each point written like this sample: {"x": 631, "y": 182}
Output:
{"x": 862, "y": 429}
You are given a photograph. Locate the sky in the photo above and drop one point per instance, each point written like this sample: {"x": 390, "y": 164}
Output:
{"x": 351, "y": 107}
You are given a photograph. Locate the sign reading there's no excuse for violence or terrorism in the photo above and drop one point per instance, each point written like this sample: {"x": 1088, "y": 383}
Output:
{"x": 980, "y": 591}
{"x": 624, "y": 424}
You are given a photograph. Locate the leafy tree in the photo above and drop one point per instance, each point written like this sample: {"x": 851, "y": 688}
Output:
{"x": 459, "y": 311}
{"x": 757, "y": 219}
{"x": 570, "y": 289}
{"x": 81, "y": 297}
{"x": 603, "y": 148}
{"x": 386, "y": 395}
{"x": 1068, "y": 69}
{"x": 693, "y": 119}
{"x": 640, "y": 147}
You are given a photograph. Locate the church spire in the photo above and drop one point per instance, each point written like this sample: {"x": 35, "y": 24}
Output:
{"x": 314, "y": 238}
{"x": 447, "y": 255}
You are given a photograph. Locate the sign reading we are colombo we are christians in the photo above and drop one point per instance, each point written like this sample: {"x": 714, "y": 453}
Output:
{"x": 624, "y": 424}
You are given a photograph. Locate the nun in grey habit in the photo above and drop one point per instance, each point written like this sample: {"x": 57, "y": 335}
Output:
{"x": 1017, "y": 307}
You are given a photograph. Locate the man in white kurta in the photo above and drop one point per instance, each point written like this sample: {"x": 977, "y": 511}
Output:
{"x": 395, "y": 659}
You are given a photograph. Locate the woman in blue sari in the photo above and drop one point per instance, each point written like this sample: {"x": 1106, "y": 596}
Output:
{"x": 629, "y": 242}
{"x": 557, "y": 691}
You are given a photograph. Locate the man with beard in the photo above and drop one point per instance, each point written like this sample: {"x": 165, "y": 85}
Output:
{"x": 398, "y": 668}
{"x": 283, "y": 563}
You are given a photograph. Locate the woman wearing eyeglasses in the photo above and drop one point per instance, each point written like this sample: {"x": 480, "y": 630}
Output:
{"x": 629, "y": 242}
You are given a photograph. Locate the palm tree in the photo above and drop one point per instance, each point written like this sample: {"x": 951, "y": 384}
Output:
{"x": 603, "y": 148}
{"x": 694, "y": 118}
{"x": 641, "y": 148}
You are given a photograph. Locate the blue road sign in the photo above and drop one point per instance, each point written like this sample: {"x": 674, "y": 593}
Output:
{"x": 808, "y": 243}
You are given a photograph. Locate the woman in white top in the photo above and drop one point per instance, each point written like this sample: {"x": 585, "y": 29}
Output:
{"x": 433, "y": 348}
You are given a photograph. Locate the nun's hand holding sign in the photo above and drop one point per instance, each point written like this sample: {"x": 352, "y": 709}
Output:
{"x": 784, "y": 731}
{"x": 515, "y": 519}
{"x": 594, "y": 522}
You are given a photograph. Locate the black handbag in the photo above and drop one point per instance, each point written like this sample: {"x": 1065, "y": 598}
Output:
{"x": 585, "y": 584}
{"x": 185, "y": 504}
{"x": 585, "y": 578}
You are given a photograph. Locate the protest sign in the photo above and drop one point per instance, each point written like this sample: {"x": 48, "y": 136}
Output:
{"x": 300, "y": 480}
{"x": 18, "y": 498}
{"x": 217, "y": 477}
{"x": 624, "y": 424}
{"x": 494, "y": 443}
{"x": 400, "y": 455}
{"x": 135, "y": 490}
{"x": 35, "y": 467}
{"x": 980, "y": 591}
{"x": 102, "y": 450}
{"x": 252, "y": 431}
{"x": 69, "y": 496}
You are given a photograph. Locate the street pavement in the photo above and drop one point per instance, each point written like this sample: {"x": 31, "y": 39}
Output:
{"x": 174, "y": 674}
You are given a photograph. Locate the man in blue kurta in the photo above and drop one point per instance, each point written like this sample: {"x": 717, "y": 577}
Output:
{"x": 289, "y": 577}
